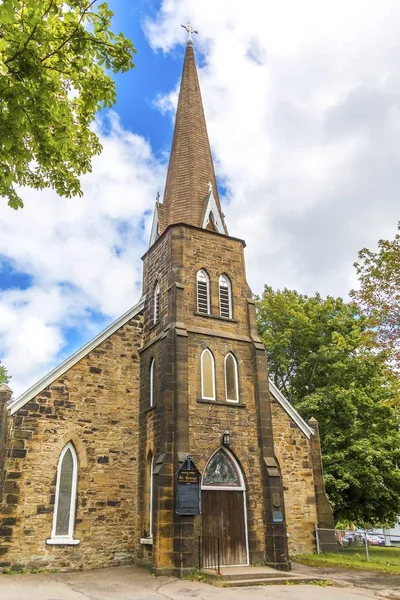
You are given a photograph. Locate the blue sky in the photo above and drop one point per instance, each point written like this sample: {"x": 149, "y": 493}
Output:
{"x": 154, "y": 73}
{"x": 303, "y": 113}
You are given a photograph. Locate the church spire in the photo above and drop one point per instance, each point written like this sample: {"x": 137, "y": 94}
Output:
{"x": 191, "y": 193}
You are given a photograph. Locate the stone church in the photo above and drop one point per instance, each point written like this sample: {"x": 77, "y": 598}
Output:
{"x": 163, "y": 435}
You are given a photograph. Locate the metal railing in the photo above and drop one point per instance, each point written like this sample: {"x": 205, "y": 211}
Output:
{"x": 209, "y": 553}
{"x": 364, "y": 545}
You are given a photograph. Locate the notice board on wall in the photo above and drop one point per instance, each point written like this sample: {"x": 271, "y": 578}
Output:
{"x": 188, "y": 489}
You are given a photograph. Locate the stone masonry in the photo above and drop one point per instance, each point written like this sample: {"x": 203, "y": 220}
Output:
{"x": 293, "y": 451}
{"x": 100, "y": 403}
{"x": 95, "y": 406}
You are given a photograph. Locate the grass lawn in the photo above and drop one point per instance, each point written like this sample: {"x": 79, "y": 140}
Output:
{"x": 386, "y": 560}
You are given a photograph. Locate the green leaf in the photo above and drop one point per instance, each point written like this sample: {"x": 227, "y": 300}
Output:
{"x": 46, "y": 50}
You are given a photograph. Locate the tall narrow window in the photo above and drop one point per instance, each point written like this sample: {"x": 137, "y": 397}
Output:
{"x": 151, "y": 382}
{"x": 225, "y": 297}
{"x": 207, "y": 375}
{"x": 156, "y": 316}
{"x": 231, "y": 378}
{"x": 150, "y": 507}
{"x": 64, "y": 507}
{"x": 203, "y": 292}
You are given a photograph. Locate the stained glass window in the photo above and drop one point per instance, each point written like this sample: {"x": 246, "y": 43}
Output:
{"x": 231, "y": 378}
{"x": 221, "y": 471}
{"x": 66, "y": 494}
{"x": 207, "y": 375}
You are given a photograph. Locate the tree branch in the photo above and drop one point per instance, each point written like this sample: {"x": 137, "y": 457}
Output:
{"x": 19, "y": 52}
{"x": 30, "y": 36}
{"x": 69, "y": 38}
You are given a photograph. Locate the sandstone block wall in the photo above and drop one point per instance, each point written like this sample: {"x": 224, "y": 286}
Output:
{"x": 209, "y": 419}
{"x": 96, "y": 406}
{"x": 293, "y": 451}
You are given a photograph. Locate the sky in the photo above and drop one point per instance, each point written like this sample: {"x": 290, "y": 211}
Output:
{"x": 302, "y": 101}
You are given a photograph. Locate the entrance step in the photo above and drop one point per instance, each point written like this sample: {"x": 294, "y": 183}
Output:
{"x": 285, "y": 580}
{"x": 245, "y": 576}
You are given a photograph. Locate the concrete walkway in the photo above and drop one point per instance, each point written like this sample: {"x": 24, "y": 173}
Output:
{"x": 134, "y": 583}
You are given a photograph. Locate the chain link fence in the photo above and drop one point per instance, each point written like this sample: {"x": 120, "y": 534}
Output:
{"x": 368, "y": 546}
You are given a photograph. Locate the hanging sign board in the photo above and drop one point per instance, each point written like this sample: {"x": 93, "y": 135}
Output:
{"x": 188, "y": 489}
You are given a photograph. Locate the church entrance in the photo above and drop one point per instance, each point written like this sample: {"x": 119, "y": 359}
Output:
{"x": 223, "y": 499}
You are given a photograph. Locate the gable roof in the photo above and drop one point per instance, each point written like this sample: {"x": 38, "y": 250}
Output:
{"x": 40, "y": 385}
{"x": 291, "y": 411}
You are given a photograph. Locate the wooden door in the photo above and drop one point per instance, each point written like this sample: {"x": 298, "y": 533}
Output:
{"x": 223, "y": 517}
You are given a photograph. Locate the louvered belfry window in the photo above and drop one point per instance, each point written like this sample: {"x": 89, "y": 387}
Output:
{"x": 225, "y": 297}
{"x": 203, "y": 292}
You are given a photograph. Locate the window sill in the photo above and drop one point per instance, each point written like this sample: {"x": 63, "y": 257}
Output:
{"x": 62, "y": 541}
{"x": 150, "y": 408}
{"x": 154, "y": 325}
{"x": 146, "y": 541}
{"x": 219, "y": 318}
{"x": 205, "y": 401}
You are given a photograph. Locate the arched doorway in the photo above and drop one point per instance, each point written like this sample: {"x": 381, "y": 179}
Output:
{"x": 223, "y": 499}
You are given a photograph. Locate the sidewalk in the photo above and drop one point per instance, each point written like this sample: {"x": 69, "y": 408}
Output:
{"x": 134, "y": 583}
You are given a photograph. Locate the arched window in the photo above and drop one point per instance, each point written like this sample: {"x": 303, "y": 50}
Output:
{"x": 64, "y": 507}
{"x": 207, "y": 375}
{"x": 151, "y": 382}
{"x": 150, "y": 468}
{"x": 156, "y": 315}
{"x": 203, "y": 292}
{"x": 231, "y": 378}
{"x": 225, "y": 297}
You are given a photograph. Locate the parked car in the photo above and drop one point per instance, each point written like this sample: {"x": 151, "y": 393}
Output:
{"x": 375, "y": 540}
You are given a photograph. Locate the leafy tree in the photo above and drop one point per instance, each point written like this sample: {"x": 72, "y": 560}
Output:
{"x": 54, "y": 57}
{"x": 379, "y": 294}
{"x": 321, "y": 356}
{"x": 4, "y": 377}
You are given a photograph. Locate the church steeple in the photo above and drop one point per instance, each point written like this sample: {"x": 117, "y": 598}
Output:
{"x": 191, "y": 193}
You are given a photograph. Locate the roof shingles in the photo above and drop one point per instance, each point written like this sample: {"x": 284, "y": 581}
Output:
{"x": 190, "y": 166}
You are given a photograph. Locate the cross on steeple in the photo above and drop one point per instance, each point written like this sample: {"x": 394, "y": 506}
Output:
{"x": 189, "y": 28}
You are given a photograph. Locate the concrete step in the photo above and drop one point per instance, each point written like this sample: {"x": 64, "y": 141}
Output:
{"x": 249, "y": 576}
{"x": 243, "y": 572}
{"x": 285, "y": 580}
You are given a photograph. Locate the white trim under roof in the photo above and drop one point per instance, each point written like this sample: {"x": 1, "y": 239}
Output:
{"x": 212, "y": 207}
{"x": 74, "y": 358}
{"x": 154, "y": 226}
{"x": 291, "y": 411}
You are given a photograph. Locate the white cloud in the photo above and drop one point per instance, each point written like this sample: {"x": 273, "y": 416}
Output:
{"x": 302, "y": 101}
{"x": 83, "y": 254}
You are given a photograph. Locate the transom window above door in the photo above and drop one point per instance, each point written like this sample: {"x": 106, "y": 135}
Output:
{"x": 222, "y": 471}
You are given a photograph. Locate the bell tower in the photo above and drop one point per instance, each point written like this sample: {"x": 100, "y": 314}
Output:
{"x": 204, "y": 381}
